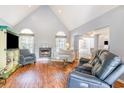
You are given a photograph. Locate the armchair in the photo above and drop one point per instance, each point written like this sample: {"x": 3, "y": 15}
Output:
{"x": 26, "y": 57}
{"x": 67, "y": 55}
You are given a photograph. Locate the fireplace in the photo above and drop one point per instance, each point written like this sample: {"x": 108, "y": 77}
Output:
{"x": 44, "y": 52}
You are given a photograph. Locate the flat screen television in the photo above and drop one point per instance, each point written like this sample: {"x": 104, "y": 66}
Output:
{"x": 12, "y": 41}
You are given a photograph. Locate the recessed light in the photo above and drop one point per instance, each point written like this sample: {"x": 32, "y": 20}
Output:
{"x": 60, "y": 11}
{"x": 29, "y": 6}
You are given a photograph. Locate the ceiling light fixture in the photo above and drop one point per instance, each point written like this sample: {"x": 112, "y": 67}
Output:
{"x": 59, "y": 11}
{"x": 29, "y": 6}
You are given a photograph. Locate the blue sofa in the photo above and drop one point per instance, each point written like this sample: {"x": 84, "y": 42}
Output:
{"x": 102, "y": 72}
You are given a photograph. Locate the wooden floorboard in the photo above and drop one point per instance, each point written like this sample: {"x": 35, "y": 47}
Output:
{"x": 43, "y": 74}
{"x": 40, "y": 75}
{"x": 118, "y": 84}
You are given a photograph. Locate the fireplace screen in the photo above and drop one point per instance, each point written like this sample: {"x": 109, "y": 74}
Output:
{"x": 45, "y": 52}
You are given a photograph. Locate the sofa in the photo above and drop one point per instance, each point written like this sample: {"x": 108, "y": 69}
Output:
{"x": 100, "y": 72}
{"x": 26, "y": 57}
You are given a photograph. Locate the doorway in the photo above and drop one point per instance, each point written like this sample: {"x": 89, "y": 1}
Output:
{"x": 92, "y": 41}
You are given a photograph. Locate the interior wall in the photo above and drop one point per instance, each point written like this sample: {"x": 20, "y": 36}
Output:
{"x": 44, "y": 24}
{"x": 101, "y": 40}
{"x": 113, "y": 19}
{"x": 100, "y": 36}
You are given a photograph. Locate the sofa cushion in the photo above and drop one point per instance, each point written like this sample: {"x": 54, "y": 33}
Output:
{"x": 95, "y": 68}
{"x": 108, "y": 62}
{"x": 83, "y": 61}
{"x": 24, "y": 52}
{"x": 29, "y": 58}
{"x": 115, "y": 74}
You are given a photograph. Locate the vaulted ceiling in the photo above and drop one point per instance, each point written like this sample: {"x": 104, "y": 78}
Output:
{"x": 77, "y": 15}
{"x": 71, "y": 16}
{"x": 13, "y": 14}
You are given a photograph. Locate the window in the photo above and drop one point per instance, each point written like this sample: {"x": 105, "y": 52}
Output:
{"x": 60, "y": 40}
{"x": 27, "y": 40}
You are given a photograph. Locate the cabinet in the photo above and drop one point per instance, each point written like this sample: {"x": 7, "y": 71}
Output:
{"x": 9, "y": 54}
{"x": 2, "y": 49}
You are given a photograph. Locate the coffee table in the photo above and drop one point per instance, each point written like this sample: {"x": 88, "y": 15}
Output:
{"x": 59, "y": 60}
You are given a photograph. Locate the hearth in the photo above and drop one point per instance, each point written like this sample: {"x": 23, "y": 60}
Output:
{"x": 44, "y": 52}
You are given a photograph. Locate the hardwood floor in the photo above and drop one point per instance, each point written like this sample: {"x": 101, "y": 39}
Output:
{"x": 40, "y": 75}
{"x": 118, "y": 84}
{"x": 43, "y": 74}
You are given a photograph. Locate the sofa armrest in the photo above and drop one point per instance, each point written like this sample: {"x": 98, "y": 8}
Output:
{"x": 86, "y": 67}
{"x": 83, "y": 61}
{"x": 78, "y": 79}
{"x": 115, "y": 74}
{"x": 21, "y": 59}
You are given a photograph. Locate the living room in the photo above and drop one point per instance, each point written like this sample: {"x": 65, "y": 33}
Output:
{"x": 51, "y": 46}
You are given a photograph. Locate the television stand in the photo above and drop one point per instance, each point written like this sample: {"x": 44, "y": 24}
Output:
{"x": 9, "y": 52}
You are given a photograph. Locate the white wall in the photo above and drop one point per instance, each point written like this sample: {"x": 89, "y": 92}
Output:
{"x": 44, "y": 24}
{"x": 113, "y": 19}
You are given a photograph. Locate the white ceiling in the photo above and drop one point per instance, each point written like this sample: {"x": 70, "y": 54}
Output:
{"x": 74, "y": 16}
{"x": 13, "y": 14}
